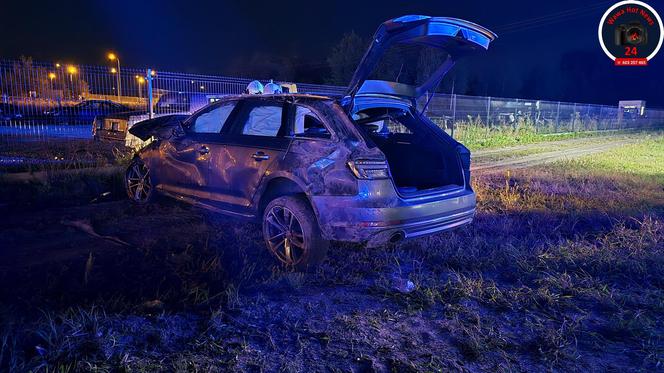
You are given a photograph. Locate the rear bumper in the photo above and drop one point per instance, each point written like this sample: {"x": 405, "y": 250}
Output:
{"x": 377, "y": 215}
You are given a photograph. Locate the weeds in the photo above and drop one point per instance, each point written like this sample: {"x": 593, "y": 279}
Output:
{"x": 561, "y": 270}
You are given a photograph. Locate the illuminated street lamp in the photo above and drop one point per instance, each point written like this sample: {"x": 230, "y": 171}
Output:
{"x": 71, "y": 70}
{"x": 113, "y": 57}
{"x": 114, "y": 70}
{"x": 51, "y": 76}
{"x": 140, "y": 81}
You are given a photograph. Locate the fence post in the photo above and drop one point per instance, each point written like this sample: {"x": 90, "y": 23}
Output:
{"x": 558, "y": 118}
{"x": 150, "y": 107}
{"x": 488, "y": 110}
{"x": 574, "y": 118}
{"x": 599, "y": 119}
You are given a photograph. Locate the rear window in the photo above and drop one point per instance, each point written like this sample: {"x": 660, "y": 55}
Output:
{"x": 308, "y": 125}
{"x": 409, "y": 64}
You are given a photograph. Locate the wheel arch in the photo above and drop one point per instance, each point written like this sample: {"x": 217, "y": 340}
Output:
{"x": 279, "y": 186}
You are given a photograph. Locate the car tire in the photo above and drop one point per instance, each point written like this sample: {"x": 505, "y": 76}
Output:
{"x": 138, "y": 183}
{"x": 292, "y": 234}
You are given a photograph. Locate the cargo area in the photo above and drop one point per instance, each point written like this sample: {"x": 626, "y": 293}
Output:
{"x": 419, "y": 160}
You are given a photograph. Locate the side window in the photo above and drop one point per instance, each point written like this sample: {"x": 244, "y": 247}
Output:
{"x": 393, "y": 126}
{"x": 307, "y": 124}
{"x": 387, "y": 127}
{"x": 213, "y": 120}
{"x": 263, "y": 120}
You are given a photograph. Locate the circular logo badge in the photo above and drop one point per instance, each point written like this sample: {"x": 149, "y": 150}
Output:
{"x": 631, "y": 33}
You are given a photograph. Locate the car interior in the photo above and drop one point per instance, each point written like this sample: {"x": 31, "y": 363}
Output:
{"x": 417, "y": 160}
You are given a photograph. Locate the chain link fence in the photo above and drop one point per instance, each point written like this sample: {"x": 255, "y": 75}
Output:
{"x": 473, "y": 118}
{"x": 46, "y": 101}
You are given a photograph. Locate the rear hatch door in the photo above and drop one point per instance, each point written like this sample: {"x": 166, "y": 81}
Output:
{"x": 397, "y": 54}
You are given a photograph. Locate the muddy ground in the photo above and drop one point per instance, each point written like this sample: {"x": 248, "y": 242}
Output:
{"x": 560, "y": 271}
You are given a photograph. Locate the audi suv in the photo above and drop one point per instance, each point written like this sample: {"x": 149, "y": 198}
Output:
{"x": 368, "y": 167}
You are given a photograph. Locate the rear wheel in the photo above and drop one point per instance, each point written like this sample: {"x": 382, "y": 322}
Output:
{"x": 291, "y": 233}
{"x": 138, "y": 182}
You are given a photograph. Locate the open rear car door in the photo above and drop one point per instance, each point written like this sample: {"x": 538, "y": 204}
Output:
{"x": 454, "y": 37}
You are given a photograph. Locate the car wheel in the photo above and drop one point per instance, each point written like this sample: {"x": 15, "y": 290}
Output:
{"x": 291, "y": 233}
{"x": 138, "y": 182}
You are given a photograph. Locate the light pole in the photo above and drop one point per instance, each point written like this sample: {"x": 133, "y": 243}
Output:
{"x": 51, "y": 76}
{"x": 71, "y": 69}
{"x": 113, "y": 57}
{"x": 140, "y": 81}
{"x": 115, "y": 71}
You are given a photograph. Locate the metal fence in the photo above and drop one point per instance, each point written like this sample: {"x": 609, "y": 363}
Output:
{"x": 42, "y": 101}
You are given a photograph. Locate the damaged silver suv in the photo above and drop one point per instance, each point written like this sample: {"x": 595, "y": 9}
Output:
{"x": 367, "y": 168}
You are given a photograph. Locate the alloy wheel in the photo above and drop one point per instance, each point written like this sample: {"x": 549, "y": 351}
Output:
{"x": 285, "y": 236}
{"x": 139, "y": 185}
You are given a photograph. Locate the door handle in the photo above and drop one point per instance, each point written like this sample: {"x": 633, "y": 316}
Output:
{"x": 260, "y": 156}
{"x": 204, "y": 150}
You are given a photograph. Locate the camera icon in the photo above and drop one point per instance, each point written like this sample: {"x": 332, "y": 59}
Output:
{"x": 631, "y": 34}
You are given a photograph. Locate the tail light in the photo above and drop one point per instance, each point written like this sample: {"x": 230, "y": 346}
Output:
{"x": 369, "y": 169}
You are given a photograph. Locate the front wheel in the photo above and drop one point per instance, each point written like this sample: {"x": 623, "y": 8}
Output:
{"x": 138, "y": 182}
{"x": 291, "y": 233}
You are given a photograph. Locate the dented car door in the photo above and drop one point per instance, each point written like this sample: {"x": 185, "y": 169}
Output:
{"x": 252, "y": 142}
{"x": 186, "y": 158}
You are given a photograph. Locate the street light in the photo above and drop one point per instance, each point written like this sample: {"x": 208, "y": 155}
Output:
{"x": 114, "y": 70}
{"x": 113, "y": 57}
{"x": 51, "y": 76}
{"x": 71, "y": 70}
{"x": 140, "y": 81}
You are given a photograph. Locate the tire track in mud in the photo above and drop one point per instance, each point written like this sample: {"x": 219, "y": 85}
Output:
{"x": 552, "y": 156}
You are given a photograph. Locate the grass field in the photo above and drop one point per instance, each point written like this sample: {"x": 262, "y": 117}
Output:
{"x": 645, "y": 160}
{"x": 477, "y": 137}
{"x": 563, "y": 270}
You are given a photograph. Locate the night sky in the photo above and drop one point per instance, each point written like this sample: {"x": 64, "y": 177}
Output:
{"x": 546, "y": 50}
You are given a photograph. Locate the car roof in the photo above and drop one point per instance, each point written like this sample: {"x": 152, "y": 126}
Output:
{"x": 279, "y": 96}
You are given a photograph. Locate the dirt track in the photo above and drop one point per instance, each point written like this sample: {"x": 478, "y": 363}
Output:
{"x": 570, "y": 149}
